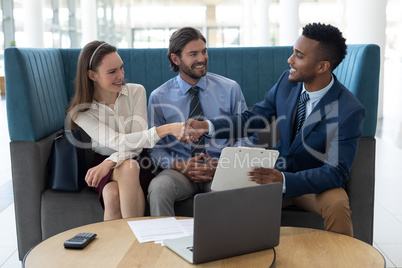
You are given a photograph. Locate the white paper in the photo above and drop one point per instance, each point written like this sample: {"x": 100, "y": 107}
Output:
{"x": 158, "y": 229}
{"x": 187, "y": 225}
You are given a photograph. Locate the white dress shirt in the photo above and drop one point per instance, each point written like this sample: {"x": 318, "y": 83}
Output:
{"x": 122, "y": 132}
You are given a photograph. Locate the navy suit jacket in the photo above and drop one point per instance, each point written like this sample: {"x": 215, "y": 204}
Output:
{"x": 321, "y": 155}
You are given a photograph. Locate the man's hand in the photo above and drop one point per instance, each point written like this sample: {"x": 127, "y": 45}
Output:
{"x": 200, "y": 168}
{"x": 192, "y": 130}
{"x": 262, "y": 175}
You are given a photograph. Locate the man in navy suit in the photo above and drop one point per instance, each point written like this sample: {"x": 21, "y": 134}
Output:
{"x": 315, "y": 160}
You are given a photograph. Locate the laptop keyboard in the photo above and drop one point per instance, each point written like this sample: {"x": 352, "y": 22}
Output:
{"x": 190, "y": 248}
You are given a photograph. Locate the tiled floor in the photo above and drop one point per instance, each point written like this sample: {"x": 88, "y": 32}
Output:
{"x": 388, "y": 198}
{"x": 388, "y": 205}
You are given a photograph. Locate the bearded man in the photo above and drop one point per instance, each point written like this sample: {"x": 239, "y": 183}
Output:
{"x": 193, "y": 93}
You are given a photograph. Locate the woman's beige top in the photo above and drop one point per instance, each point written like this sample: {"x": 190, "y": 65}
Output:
{"x": 122, "y": 132}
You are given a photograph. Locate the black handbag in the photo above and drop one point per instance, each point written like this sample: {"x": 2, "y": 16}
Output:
{"x": 68, "y": 165}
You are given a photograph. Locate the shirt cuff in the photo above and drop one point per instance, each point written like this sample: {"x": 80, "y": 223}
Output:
{"x": 211, "y": 128}
{"x": 284, "y": 183}
{"x": 153, "y": 137}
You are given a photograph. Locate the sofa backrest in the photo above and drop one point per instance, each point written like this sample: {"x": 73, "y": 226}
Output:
{"x": 360, "y": 73}
{"x": 40, "y": 82}
{"x": 37, "y": 96}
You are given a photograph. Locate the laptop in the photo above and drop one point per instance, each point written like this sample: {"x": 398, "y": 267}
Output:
{"x": 235, "y": 162}
{"x": 232, "y": 222}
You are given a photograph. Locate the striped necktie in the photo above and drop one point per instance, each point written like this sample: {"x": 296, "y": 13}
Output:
{"x": 197, "y": 114}
{"x": 301, "y": 111}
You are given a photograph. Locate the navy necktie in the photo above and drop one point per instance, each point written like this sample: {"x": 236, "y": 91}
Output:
{"x": 197, "y": 114}
{"x": 301, "y": 110}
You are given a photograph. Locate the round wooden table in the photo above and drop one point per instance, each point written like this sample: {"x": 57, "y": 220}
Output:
{"x": 117, "y": 246}
{"x": 305, "y": 247}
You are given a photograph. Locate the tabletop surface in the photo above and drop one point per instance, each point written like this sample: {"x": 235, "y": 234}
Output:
{"x": 117, "y": 246}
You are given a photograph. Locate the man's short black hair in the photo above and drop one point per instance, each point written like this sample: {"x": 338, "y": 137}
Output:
{"x": 332, "y": 45}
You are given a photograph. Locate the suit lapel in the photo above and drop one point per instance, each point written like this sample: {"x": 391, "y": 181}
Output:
{"x": 287, "y": 122}
{"x": 320, "y": 111}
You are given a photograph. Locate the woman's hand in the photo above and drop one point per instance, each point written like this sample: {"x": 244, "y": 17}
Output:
{"x": 176, "y": 129}
{"x": 192, "y": 130}
{"x": 182, "y": 131}
{"x": 95, "y": 174}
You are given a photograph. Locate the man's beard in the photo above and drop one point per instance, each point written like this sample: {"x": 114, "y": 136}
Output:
{"x": 189, "y": 72}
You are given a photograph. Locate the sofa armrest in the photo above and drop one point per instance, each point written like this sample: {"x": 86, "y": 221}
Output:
{"x": 29, "y": 166}
{"x": 360, "y": 189}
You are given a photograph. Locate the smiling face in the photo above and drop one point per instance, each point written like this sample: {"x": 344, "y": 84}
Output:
{"x": 192, "y": 62}
{"x": 108, "y": 77}
{"x": 303, "y": 62}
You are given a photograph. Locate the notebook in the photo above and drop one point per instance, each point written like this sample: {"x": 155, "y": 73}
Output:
{"x": 235, "y": 162}
{"x": 232, "y": 222}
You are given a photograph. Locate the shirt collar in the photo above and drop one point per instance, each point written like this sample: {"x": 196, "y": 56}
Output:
{"x": 124, "y": 90}
{"x": 317, "y": 95}
{"x": 94, "y": 105}
{"x": 184, "y": 86}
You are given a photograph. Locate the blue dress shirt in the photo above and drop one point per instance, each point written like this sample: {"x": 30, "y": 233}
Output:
{"x": 316, "y": 96}
{"x": 169, "y": 103}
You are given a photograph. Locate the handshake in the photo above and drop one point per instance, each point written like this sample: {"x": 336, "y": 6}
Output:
{"x": 191, "y": 130}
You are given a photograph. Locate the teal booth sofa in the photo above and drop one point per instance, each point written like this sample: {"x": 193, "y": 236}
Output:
{"x": 40, "y": 84}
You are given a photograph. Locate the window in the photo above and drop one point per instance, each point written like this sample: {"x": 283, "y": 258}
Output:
{"x": 223, "y": 36}
{"x": 7, "y": 38}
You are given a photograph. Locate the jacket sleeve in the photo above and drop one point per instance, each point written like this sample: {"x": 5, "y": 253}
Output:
{"x": 337, "y": 160}
{"x": 249, "y": 121}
